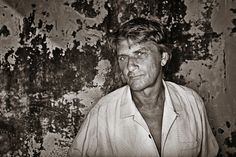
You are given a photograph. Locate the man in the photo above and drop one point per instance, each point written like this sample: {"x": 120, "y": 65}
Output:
{"x": 148, "y": 116}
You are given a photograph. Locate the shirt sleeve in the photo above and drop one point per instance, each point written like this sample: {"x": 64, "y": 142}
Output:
{"x": 85, "y": 143}
{"x": 209, "y": 146}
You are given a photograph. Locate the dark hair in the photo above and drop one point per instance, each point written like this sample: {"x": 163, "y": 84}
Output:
{"x": 140, "y": 30}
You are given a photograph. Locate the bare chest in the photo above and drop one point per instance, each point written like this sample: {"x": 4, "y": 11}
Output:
{"x": 154, "y": 123}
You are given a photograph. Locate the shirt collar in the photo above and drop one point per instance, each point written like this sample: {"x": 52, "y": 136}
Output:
{"x": 128, "y": 108}
{"x": 172, "y": 99}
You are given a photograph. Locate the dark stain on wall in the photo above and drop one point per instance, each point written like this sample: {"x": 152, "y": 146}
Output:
{"x": 227, "y": 124}
{"x": 45, "y": 13}
{"x": 9, "y": 133}
{"x": 28, "y": 30}
{"x": 4, "y": 31}
{"x": 220, "y": 131}
{"x": 85, "y": 7}
{"x": 230, "y": 142}
{"x": 234, "y": 29}
{"x": 233, "y": 21}
{"x": 49, "y": 27}
{"x": 79, "y": 27}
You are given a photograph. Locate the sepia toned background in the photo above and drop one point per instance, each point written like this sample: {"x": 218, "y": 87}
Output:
{"x": 55, "y": 64}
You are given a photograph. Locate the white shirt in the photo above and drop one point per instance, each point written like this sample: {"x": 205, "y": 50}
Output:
{"x": 115, "y": 127}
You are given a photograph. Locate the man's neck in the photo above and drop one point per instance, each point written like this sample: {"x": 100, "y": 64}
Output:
{"x": 150, "y": 103}
{"x": 151, "y": 97}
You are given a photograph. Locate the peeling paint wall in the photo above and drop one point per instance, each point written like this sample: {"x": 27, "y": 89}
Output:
{"x": 55, "y": 64}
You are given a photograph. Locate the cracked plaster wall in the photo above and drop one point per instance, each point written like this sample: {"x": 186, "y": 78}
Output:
{"x": 55, "y": 64}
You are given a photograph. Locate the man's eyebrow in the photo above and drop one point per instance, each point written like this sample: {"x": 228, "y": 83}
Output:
{"x": 141, "y": 49}
{"x": 122, "y": 54}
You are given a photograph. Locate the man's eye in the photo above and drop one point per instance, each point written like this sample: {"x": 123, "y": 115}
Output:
{"x": 121, "y": 58}
{"x": 140, "y": 53}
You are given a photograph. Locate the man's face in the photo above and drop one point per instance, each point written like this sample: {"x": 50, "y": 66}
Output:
{"x": 140, "y": 64}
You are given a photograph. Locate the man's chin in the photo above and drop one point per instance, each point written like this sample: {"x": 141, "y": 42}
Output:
{"x": 135, "y": 88}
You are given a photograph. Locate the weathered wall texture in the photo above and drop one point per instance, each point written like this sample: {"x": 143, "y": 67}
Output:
{"x": 54, "y": 65}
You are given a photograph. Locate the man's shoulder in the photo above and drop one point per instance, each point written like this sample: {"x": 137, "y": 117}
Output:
{"x": 111, "y": 98}
{"x": 108, "y": 104}
{"x": 186, "y": 96}
{"x": 181, "y": 90}
{"x": 114, "y": 95}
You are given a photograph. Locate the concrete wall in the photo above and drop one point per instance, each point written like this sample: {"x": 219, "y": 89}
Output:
{"x": 55, "y": 64}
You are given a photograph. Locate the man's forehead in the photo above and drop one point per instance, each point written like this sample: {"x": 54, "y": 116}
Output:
{"x": 132, "y": 45}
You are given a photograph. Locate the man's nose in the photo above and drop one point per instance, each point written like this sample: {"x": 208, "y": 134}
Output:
{"x": 132, "y": 64}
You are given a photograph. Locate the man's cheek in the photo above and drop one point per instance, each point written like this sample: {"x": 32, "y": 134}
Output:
{"x": 126, "y": 76}
{"x": 124, "y": 71}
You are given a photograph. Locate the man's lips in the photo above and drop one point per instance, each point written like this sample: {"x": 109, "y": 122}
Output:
{"x": 131, "y": 76}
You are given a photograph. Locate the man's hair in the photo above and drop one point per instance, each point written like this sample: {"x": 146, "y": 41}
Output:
{"x": 140, "y": 30}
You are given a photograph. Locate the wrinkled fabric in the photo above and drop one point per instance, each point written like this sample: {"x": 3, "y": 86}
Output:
{"x": 114, "y": 127}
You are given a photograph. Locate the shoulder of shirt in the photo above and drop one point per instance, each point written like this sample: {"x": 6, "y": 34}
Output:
{"x": 184, "y": 92}
{"x": 110, "y": 98}
{"x": 180, "y": 88}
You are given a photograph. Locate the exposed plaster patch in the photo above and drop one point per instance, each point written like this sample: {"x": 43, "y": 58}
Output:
{"x": 10, "y": 58}
{"x": 192, "y": 12}
{"x": 11, "y": 40}
{"x": 54, "y": 145}
{"x": 103, "y": 68}
{"x": 33, "y": 146}
{"x": 207, "y": 78}
{"x": 52, "y": 45}
{"x": 88, "y": 36}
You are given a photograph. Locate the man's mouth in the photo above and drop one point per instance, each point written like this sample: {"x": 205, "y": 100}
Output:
{"x": 131, "y": 77}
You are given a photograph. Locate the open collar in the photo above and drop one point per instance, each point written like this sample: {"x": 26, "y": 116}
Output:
{"x": 128, "y": 108}
{"x": 172, "y": 109}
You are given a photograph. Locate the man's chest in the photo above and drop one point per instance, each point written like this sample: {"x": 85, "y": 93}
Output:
{"x": 155, "y": 126}
{"x": 130, "y": 137}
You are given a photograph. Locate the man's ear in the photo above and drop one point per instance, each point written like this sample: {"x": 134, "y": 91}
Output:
{"x": 164, "y": 58}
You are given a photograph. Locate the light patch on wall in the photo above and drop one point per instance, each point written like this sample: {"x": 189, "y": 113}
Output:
{"x": 54, "y": 145}
{"x": 12, "y": 20}
{"x": 103, "y": 68}
{"x": 88, "y": 36}
{"x": 51, "y": 45}
{"x": 192, "y": 12}
{"x": 33, "y": 146}
{"x": 3, "y": 95}
{"x": 206, "y": 76}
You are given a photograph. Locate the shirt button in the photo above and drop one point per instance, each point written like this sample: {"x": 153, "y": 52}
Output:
{"x": 149, "y": 136}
